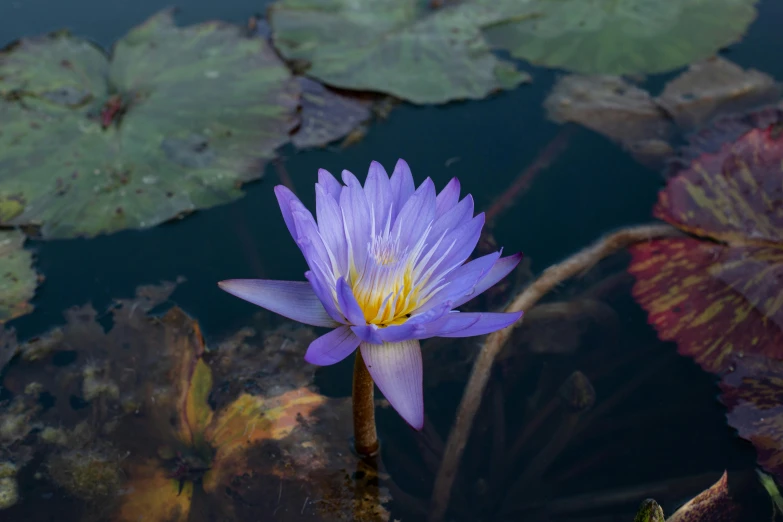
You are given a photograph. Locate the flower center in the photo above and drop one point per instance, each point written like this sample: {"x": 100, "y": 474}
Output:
{"x": 395, "y": 281}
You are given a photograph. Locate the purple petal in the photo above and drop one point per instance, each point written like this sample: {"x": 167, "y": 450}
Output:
{"x": 356, "y": 216}
{"x": 349, "y": 179}
{"x": 348, "y": 305}
{"x": 455, "y": 217}
{"x": 293, "y": 299}
{"x": 368, "y": 333}
{"x": 447, "y": 324}
{"x": 402, "y": 186}
{"x": 378, "y": 191}
{"x": 329, "y": 183}
{"x": 456, "y": 246}
{"x": 312, "y": 246}
{"x": 498, "y": 271}
{"x": 330, "y": 226}
{"x": 416, "y": 215}
{"x": 285, "y": 198}
{"x": 332, "y": 348}
{"x": 397, "y": 370}
{"x": 462, "y": 282}
{"x": 447, "y": 198}
{"x": 326, "y": 296}
{"x": 486, "y": 323}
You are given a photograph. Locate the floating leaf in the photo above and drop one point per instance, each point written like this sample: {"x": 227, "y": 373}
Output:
{"x": 711, "y": 505}
{"x": 622, "y": 37}
{"x": 18, "y": 278}
{"x": 721, "y": 296}
{"x": 404, "y": 48}
{"x": 715, "y": 86}
{"x": 176, "y": 119}
{"x": 753, "y": 394}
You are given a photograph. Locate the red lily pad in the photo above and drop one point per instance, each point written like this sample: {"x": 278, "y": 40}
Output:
{"x": 720, "y": 294}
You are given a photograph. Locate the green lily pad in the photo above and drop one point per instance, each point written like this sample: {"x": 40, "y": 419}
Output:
{"x": 176, "y": 119}
{"x": 406, "y": 48}
{"x": 622, "y": 36}
{"x": 18, "y": 278}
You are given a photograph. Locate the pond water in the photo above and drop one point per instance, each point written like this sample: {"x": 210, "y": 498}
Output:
{"x": 667, "y": 437}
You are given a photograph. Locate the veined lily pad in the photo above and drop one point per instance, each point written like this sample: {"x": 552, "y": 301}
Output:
{"x": 18, "y": 278}
{"x": 720, "y": 295}
{"x": 176, "y": 119}
{"x": 622, "y": 36}
{"x": 406, "y": 48}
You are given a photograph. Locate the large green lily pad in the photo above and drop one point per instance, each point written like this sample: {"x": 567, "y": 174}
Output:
{"x": 622, "y": 36}
{"x": 176, "y": 119}
{"x": 18, "y": 278}
{"x": 406, "y": 48}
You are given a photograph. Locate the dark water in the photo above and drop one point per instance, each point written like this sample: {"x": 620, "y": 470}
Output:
{"x": 592, "y": 188}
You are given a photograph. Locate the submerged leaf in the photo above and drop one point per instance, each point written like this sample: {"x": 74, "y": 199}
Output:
{"x": 175, "y": 120}
{"x": 401, "y": 47}
{"x": 250, "y": 420}
{"x": 153, "y": 496}
{"x": 722, "y": 296}
{"x": 18, "y": 278}
{"x": 622, "y": 37}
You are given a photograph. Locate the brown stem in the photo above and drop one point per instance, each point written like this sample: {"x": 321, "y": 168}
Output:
{"x": 365, "y": 435}
{"x": 577, "y": 264}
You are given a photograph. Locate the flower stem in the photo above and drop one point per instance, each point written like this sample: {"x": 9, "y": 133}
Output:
{"x": 365, "y": 435}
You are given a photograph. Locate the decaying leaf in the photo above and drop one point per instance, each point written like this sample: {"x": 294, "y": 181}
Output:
{"x": 712, "y": 505}
{"x": 714, "y": 91}
{"x": 719, "y": 295}
{"x": 610, "y": 106}
{"x": 327, "y": 115}
{"x": 18, "y": 279}
{"x": 406, "y": 48}
{"x": 621, "y": 37}
{"x": 715, "y": 86}
{"x": 753, "y": 394}
{"x": 175, "y": 120}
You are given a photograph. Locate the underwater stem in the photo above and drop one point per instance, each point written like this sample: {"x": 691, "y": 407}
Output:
{"x": 553, "y": 276}
{"x": 365, "y": 435}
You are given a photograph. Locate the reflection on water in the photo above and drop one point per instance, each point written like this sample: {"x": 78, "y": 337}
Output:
{"x": 586, "y": 412}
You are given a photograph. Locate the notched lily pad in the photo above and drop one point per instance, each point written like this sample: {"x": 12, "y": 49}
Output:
{"x": 720, "y": 296}
{"x": 405, "y": 48}
{"x": 715, "y": 86}
{"x": 622, "y": 37}
{"x": 175, "y": 120}
{"x": 18, "y": 278}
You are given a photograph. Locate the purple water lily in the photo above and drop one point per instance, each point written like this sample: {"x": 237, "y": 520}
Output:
{"x": 387, "y": 268}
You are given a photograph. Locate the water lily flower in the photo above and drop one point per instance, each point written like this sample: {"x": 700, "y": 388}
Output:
{"x": 387, "y": 269}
